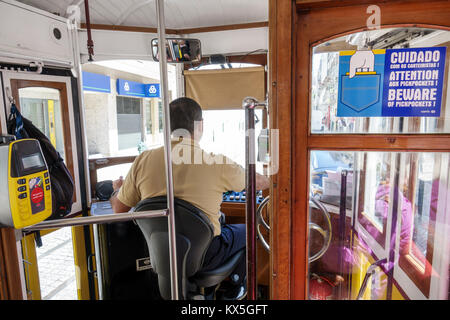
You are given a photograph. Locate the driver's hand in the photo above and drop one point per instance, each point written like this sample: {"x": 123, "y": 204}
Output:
{"x": 117, "y": 183}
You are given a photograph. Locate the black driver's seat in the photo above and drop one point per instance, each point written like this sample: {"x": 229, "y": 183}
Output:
{"x": 194, "y": 233}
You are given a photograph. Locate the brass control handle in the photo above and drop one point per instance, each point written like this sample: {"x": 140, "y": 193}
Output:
{"x": 260, "y": 221}
{"x": 325, "y": 234}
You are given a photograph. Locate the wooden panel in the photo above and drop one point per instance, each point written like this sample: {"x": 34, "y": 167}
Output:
{"x": 225, "y": 27}
{"x": 300, "y": 188}
{"x": 392, "y": 14}
{"x": 3, "y": 280}
{"x": 96, "y": 26}
{"x": 280, "y": 111}
{"x": 308, "y": 4}
{"x": 414, "y": 142}
{"x": 10, "y": 284}
{"x": 177, "y": 31}
{"x": 11, "y": 269}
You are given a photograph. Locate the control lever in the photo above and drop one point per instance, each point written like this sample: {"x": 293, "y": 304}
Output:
{"x": 325, "y": 234}
{"x": 260, "y": 221}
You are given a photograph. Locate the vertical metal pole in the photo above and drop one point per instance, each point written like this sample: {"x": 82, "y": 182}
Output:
{"x": 167, "y": 147}
{"x": 250, "y": 189}
{"x": 342, "y": 216}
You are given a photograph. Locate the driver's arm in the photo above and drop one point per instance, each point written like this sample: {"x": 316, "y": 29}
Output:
{"x": 117, "y": 205}
{"x": 234, "y": 177}
{"x": 126, "y": 194}
{"x": 262, "y": 182}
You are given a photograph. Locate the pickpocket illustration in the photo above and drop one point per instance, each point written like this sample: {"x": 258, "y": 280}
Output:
{"x": 361, "y": 91}
{"x": 360, "y": 86}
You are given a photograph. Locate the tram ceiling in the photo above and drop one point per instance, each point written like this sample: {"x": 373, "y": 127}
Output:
{"x": 135, "y": 23}
{"x": 179, "y": 14}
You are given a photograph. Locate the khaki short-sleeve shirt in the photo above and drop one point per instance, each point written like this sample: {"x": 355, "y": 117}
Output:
{"x": 199, "y": 177}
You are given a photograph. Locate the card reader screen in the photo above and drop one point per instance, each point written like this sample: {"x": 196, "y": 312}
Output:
{"x": 32, "y": 161}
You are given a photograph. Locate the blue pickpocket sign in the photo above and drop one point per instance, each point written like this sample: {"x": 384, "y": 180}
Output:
{"x": 413, "y": 81}
{"x": 391, "y": 82}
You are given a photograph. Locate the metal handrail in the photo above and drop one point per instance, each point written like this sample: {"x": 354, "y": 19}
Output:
{"x": 249, "y": 104}
{"x": 107, "y": 218}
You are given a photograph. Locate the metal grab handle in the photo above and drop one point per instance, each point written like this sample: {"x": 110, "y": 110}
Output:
{"x": 370, "y": 271}
{"x": 325, "y": 234}
{"x": 107, "y": 218}
{"x": 260, "y": 221}
{"x": 90, "y": 263}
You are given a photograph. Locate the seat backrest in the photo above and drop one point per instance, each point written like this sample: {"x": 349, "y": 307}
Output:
{"x": 194, "y": 233}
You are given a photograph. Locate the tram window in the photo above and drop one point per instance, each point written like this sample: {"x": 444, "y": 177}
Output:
{"x": 224, "y": 133}
{"x": 377, "y": 177}
{"x": 148, "y": 117}
{"x": 113, "y": 172}
{"x": 160, "y": 117}
{"x": 399, "y": 213}
{"x": 423, "y": 201}
{"x": 325, "y": 83}
{"x": 129, "y": 124}
{"x": 422, "y": 172}
{"x": 42, "y": 106}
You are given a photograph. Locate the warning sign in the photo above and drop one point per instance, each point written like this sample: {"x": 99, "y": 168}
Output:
{"x": 391, "y": 83}
{"x": 413, "y": 81}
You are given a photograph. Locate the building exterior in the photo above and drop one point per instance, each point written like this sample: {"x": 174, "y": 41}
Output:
{"x": 122, "y": 106}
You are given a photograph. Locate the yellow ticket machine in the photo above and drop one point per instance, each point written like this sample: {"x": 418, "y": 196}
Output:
{"x": 25, "y": 192}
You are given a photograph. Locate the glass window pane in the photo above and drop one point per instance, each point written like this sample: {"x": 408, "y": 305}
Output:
{"x": 42, "y": 106}
{"x": 113, "y": 172}
{"x": 129, "y": 123}
{"x": 393, "y": 241}
{"x": 224, "y": 133}
{"x": 148, "y": 116}
{"x": 325, "y": 93}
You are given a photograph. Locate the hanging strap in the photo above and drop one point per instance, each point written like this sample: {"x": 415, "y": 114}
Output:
{"x": 19, "y": 121}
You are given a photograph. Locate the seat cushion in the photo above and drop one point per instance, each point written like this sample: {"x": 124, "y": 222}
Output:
{"x": 213, "y": 277}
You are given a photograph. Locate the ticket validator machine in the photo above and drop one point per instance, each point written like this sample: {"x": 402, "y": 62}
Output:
{"x": 25, "y": 194}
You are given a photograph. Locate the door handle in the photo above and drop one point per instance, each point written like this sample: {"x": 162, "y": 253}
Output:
{"x": 90, "y": 263}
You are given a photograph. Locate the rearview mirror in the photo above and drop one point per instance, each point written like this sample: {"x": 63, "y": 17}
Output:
{"x": 179, "y": 50}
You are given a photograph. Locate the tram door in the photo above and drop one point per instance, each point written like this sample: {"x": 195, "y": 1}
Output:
{"x": 372, "y": 159}
{"x": 54, "y": 267}
{"x": 388, "y": 209}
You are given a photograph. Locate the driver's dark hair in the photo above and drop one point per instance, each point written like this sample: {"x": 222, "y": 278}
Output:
{"x": 183, "y": 113}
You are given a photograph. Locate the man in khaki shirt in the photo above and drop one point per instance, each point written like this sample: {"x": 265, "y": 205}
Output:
{"x": 199, "y": 178}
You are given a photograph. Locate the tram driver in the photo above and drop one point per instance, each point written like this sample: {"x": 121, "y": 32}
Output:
{"x": 201, "y": 184}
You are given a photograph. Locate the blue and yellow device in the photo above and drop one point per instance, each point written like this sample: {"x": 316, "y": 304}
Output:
{"x": 25, "y": 192}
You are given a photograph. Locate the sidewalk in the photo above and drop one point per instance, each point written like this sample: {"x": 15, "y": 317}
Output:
{"x": 56, "y": 266}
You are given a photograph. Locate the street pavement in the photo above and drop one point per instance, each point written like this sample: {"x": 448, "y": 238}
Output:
{"x": 56, "y": 266}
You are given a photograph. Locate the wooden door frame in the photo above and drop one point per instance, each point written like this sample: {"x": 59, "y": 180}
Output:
{"x": 17, "y": 84}
{"x": 10, "y": 269}
{"x": 63, "y": 84}
{"x": 280, "y": 110}
{"x": 294, "y": 27}
{"x": 12, "y": 280}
